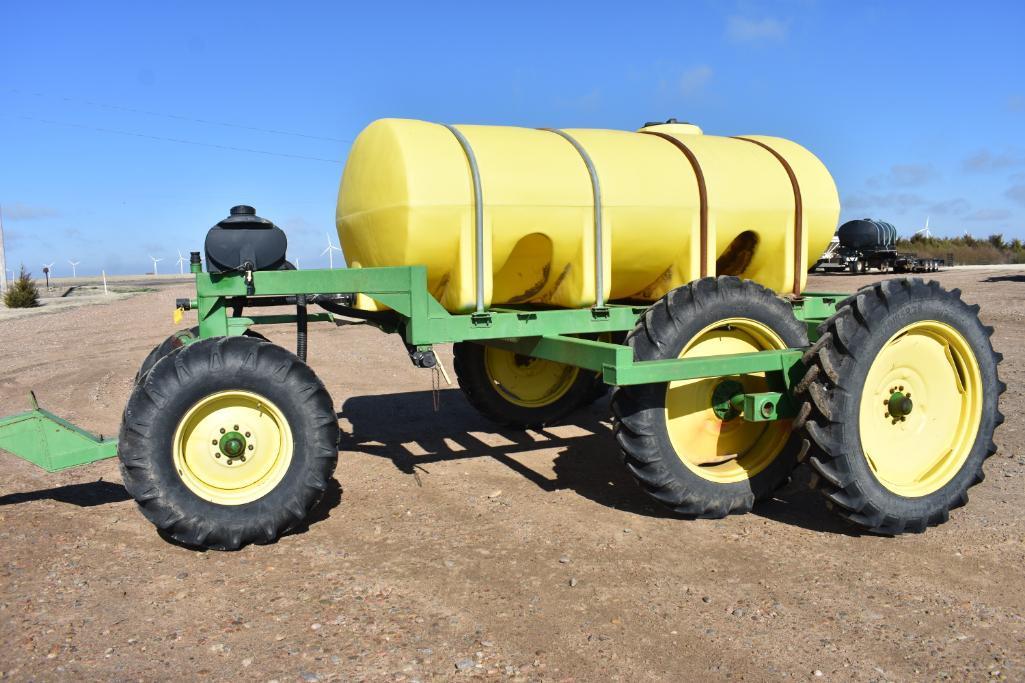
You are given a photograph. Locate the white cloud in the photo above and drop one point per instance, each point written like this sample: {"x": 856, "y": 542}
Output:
{"x": 746, "y": 30}
{"x": 988, "y": 215}
{"x": 27, "y": 212}
{"x": 695, "y": 78}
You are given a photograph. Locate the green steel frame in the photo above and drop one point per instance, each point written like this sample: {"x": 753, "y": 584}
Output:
{"x": 568, "y": 336}
{"x": 553, "y": 334}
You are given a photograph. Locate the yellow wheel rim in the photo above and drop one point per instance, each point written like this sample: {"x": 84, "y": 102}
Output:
{"x": 931, "y": 365}
{"x": 232, "y": 447}
{"x": 730, "y": 450}
{"x": 525, "y": 381}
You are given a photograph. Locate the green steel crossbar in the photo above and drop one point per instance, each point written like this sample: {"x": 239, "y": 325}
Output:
{"x": 618, "y": 367}
{"x": 54, "y": 444}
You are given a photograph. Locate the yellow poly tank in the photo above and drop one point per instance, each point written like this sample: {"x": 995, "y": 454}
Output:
{"x": 653, "y": 209}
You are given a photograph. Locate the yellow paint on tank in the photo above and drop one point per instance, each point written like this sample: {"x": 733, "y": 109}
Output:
{"x": 407, "y": 198}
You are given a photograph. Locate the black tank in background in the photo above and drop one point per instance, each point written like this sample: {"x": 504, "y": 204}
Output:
{"x": 866, "y": 234}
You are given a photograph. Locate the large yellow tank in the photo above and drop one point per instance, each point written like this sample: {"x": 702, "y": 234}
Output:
{"x": 675, "y": 205}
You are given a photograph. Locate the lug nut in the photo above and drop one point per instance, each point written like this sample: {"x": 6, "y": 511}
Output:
{"x": 222, "y": 430}
{"x": 248, "y": 435}
{"x": 242, "y": 458}
{"x": 217, "y": 455}
{"x": 250, "y": 446}
{"x": 215, "y": 442}
{"x": 236, "y": 426}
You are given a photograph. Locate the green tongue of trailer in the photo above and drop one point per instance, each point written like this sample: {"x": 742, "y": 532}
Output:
{"x": 54, "y": 444}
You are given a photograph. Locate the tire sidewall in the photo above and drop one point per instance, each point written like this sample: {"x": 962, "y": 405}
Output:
{"x": 180, "y": 380}
{"x": 900, "y": 316}
{"x": 793, "y": 333}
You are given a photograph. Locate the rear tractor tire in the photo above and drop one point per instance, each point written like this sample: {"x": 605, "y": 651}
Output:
{"x": 228, "y": 441}
{"x": 690, "y": 457}
{"x": 901, "y": 399}
{"x": 518, "y": 391}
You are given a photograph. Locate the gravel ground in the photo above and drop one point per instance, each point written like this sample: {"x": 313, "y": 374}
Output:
{"x": 450, "y": 549}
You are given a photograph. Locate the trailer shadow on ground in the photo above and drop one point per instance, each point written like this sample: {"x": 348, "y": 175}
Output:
{"x": 403, "y": 428}
{"x": 86, "y": 494}
{"x": 1018, "y": 277}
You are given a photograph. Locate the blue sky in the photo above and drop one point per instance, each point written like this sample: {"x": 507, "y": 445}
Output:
{"x": 917, "y": 108}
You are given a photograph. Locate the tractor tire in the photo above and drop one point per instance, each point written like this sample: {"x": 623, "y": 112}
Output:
{"x": 681, "y": 452}
{"x": 900, "y": 401}
{"x": 176, "y": 341}
{"x": 228, "y": 441}
{"x": 520, "y": 392}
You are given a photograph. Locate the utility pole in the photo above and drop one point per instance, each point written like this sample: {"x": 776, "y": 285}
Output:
{"x": 3, "y": 260}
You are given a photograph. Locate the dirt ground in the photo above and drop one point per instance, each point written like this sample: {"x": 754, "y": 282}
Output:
{"x": 450, "y": 549}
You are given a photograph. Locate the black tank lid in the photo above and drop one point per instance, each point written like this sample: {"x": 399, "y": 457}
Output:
{"x": 243, "y": 216}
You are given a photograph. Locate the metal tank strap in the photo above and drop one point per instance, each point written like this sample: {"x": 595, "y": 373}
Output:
{"x": 599, "y": 260}
{"x": 702, "y": 193}
{"x": 798, "y": 211}
{"x": 478, "y": 215}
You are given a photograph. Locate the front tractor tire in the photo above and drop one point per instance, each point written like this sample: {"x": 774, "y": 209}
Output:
{"x": 176, "y": 341}
{"x": 228, "y": 441}
{"x": 698, "y": 461}
{"x": 901, "y": 399}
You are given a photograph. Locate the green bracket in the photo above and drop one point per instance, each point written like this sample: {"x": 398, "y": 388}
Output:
{"x": 54, "y": 444}
{"x": 767, "y": 406}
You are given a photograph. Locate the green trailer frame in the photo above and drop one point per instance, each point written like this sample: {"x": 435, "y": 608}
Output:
{"x": 564, "y": 335}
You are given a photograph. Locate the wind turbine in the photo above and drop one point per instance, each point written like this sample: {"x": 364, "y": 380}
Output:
{"x": 155, "y": 260}
{"x": 181, "y": 263}
{"x": 297, "y": 263}
{"x": 925, "y": 232}
{"x": 330, "y": 251}
{"x": 74, "y": 264}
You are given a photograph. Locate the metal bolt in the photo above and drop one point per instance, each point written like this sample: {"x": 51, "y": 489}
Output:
{"x": 217, "y": 455}
{"x": 242, "y": 458}
{"x": 250, "y": 446}
{"x": 236, "y": 426}
{"x": 215, "y": 442}
{"x": 767, "y": 409}
{"x": 248, "y": 435}
{"x": 230, "y": 461}
{"x": 222, "y": 430}
{"x": 886, "y": 414}
{"x": 900, "y": 388}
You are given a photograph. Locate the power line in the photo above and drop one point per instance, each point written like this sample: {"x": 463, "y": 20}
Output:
{"x": 178, "y": 140}
{"x": 179, "y": 117}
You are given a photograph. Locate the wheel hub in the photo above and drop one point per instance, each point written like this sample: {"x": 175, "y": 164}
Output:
{"x": 722, "y": 399}
{"x": 899, "y": 404}
{"x": 233, "y": 445}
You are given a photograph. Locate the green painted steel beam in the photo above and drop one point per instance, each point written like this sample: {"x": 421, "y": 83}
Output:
{"x": 673, "y": 369}
{"x": 54, "y": 444}
{"x": 617, "y": 365}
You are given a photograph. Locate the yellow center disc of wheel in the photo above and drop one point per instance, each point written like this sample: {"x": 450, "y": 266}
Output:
{"x": 525, "y": 381}
{"x": 232, "y": 447}
{"x": 732, "y": 450}
{"x": 932, "y": 365}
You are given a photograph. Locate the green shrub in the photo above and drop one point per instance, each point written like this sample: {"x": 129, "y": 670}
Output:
{"x": 22, "y": 293}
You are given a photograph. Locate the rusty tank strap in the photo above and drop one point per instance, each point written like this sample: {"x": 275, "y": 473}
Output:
{"x": 478, "y": 216}
{"x": 798, "y": 212}
{"x": 599, "y": 258}
{"x": 702, "y": 193}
